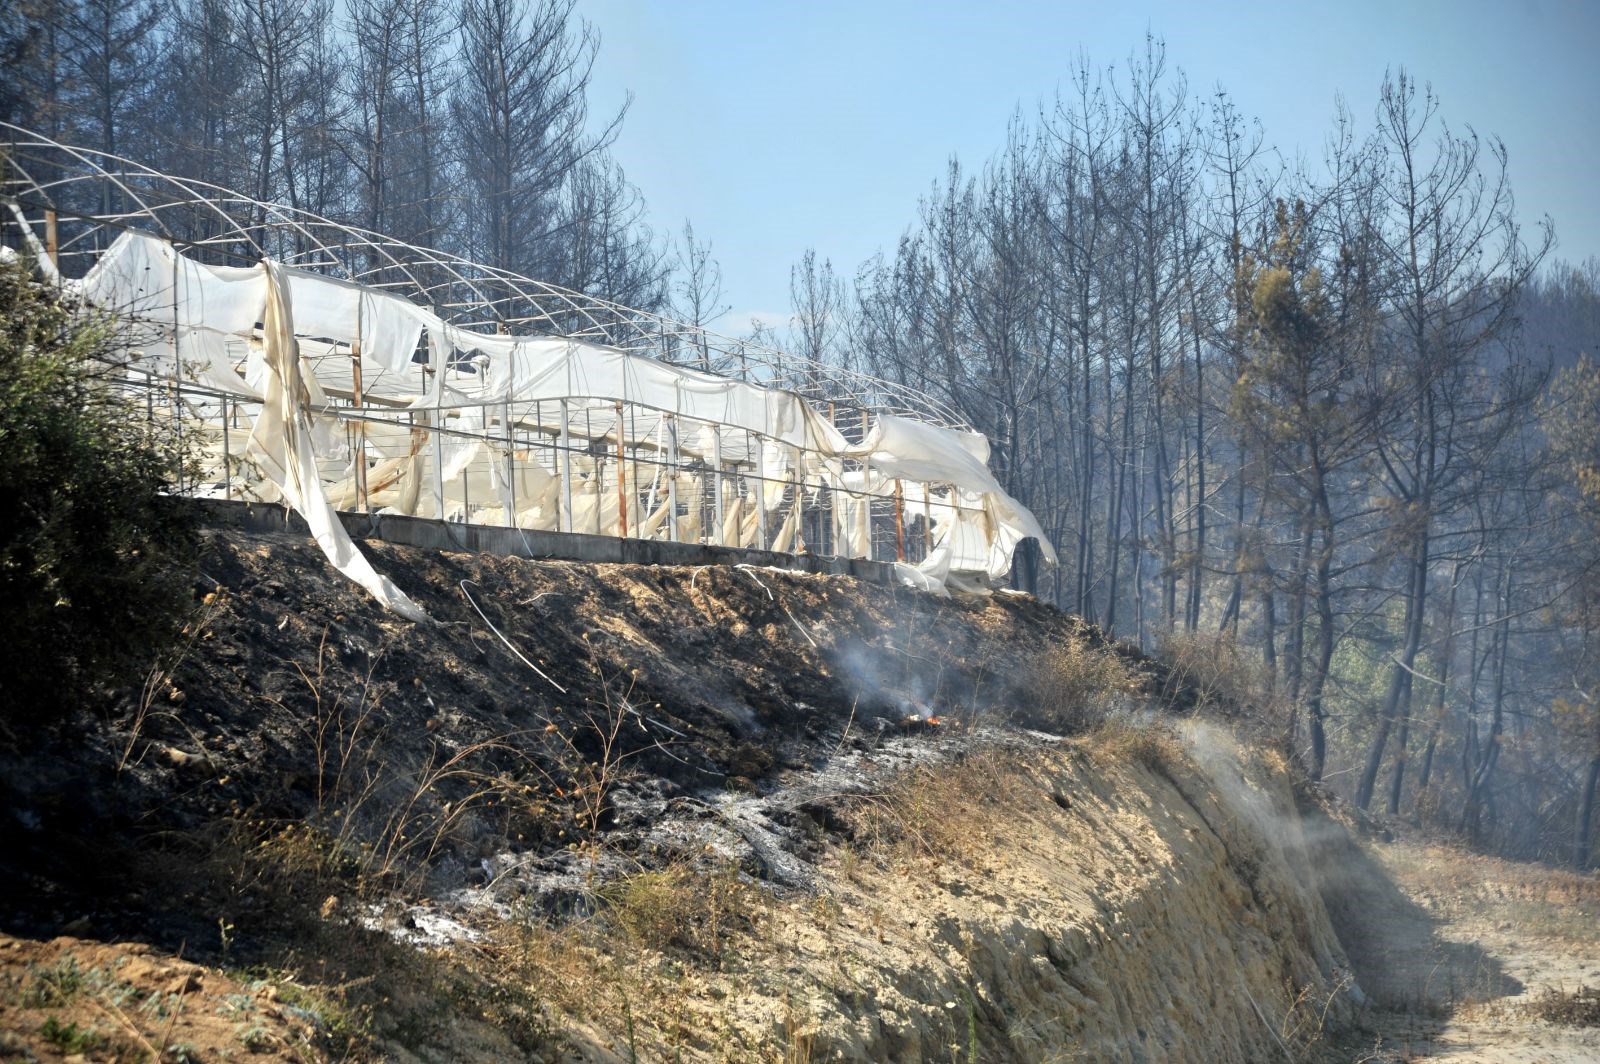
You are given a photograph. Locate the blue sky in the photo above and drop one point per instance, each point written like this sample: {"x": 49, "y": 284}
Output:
{"x": 776, "y": 127}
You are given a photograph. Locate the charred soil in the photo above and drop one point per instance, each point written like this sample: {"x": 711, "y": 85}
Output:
{"x": 628, "y": 812}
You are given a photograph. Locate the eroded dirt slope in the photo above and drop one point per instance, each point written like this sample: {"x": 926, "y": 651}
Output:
{"x": 1069, "y": 901}
{"x": 618, "y": 813}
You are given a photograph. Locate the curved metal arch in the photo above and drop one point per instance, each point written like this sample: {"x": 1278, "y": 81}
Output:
{"x": 461, "y": 289}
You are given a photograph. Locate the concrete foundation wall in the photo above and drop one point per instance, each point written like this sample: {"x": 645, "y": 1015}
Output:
{"x": 430, "y": 534}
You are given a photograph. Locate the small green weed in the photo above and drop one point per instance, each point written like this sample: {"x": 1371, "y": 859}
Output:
{"x": 71, "y": 1039}
{"x": 54, "y": 986}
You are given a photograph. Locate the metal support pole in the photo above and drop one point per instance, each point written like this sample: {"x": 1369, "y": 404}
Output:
{"x": 597, "y": 459}
{"x": 436, "y": 426}
{"x": 761, "y": 493}
{"x": 360, "y": 426}
{"x": 177, "y": 360}
{"x": 227, "y": 454}
{"x": 511, "y": 466}
{"x": 867, "y": 496}
{"x": 565, "y": 523}
{"x": 831, "y": 547}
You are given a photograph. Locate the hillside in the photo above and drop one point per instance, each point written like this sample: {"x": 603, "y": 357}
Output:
{"x": 619, "y": 813}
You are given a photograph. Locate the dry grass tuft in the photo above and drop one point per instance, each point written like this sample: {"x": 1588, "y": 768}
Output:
{"x": 534, "y": 973}
{"x": 936, "y": 813}
{"x": 622, "y": 968}
{"x": 1079, "y": 682}
{"x": 1212, "y": 673}
{"x": 1579, "y": 1008}
{"x": 698, "y": 911}
{"x": 1148, "y": 741}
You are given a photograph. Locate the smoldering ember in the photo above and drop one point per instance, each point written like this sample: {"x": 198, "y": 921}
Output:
{"x": 1146, "y": 611}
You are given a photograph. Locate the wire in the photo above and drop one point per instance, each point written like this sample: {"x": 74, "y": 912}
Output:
{"x": 509, "y": 645}
{"x": 749, "y": 571}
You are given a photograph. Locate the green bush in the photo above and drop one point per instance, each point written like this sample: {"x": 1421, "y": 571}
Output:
{"x": 90, "y": 552}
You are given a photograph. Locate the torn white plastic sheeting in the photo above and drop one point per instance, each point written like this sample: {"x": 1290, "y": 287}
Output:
{"x": 144, "y": 277}
{"x": 185, "y": 314}
{"x": 540, "y": 368}
{"x": 281, "y": 442}
{"x": 910, "y": 450}
{"x": 930, "y": 575}
{"x": 386, "y": 326}
{"x": 201, "y": 322}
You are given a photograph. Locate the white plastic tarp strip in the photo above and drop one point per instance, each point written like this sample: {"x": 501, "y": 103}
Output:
{"x": 282, "y": 440}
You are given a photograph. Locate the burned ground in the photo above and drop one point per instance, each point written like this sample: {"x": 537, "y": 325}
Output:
{"x": 709, "y": 793}
{"x": 541, "y": 692}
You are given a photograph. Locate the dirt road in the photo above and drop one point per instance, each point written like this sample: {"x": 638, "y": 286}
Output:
{"x": 1468, "y": 956}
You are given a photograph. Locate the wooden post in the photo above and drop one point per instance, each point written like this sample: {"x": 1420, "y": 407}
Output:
{"x": 716, "y": 478}
{"x": 927, "y": 522}
{"x": 672, "y": 478}
{"x": 360, "y": 426}
{"x": 622, "y": 480}
{"x": 899, "y": 522}
{"x": 797, "y": 458}
{"x": 51, "y": 245}
{"x": 565, "y": 524}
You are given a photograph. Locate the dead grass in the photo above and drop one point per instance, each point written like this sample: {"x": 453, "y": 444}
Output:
{"x": 386, "y": 819}
{"x": 946, "y": 811}
{"x": 1576, "y": 1008}
{"x": 1079, "y": 682}
{"x": 1537, "y": 900}
{"x": 624, "y": 968}
{"x": 1148, "y": 740}
{"x": 127, "y": 1002}
{"x": 697, "y": 911}
{"x": 936, "y": 813}
{"x": 1214, "y": 671}
{"x": 1303, "y": 1030}
{"x": 291, "y": 897}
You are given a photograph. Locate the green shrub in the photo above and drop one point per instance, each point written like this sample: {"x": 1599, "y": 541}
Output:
{"x": 89, "y": 549}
